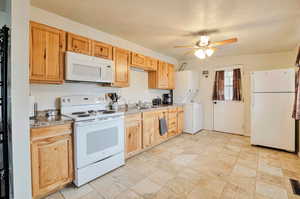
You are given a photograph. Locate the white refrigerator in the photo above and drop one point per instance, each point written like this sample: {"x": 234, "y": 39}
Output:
{"x": 185, "y": 92}
{"x": 272, "y": 98}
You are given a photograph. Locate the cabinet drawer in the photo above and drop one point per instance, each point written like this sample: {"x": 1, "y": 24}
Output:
{"x": 173, "y": 110}
{"x": 102, "y": 50}
{"x": 133, "y": 117}
{"x": 52, "y": 131}
{"x": 180, "y": 109}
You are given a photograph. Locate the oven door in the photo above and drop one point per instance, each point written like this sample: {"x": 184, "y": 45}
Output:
{"x": 97, "y": 140}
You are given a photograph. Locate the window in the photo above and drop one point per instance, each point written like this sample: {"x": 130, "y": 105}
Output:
{"x": 228, "y": 85}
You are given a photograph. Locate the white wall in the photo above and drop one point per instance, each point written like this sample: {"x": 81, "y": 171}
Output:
{"x": 249, "y": 63}
{"x": 47, "y": 95}
{"x": 20, "y": 99}
{"x": 3, "y": 18}
{"x": 4, "y": 15}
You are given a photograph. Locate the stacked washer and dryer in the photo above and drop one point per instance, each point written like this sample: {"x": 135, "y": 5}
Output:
{"x": 185, "y": 92}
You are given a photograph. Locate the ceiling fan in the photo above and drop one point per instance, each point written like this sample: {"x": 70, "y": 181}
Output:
{"x": 204, "y": 47}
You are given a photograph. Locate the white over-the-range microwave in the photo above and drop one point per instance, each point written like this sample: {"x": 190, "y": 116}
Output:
{"x": 86, "y": 68}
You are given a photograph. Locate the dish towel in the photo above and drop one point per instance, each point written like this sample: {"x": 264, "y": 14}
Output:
{"x": 163, "y": 128}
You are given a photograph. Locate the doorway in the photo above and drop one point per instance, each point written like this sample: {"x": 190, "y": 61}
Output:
{"x": 228, "y": 104}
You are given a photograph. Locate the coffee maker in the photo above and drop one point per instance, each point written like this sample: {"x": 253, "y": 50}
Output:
{"x": 168, "y": 98}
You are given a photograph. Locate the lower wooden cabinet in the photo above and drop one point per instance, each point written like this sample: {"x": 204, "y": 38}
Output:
{"x": 172, "y": 123}
{"x": 142, "y": 129}
{"x": 180, "y": 117}
{"x": 51, "y": 159}
{"x": 133, "y": 130}
{"x": 158, "y": 137}
{"x": 149, "y": 128}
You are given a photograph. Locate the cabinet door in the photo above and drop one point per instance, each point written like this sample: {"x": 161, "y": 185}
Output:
{"x": 79, "y": 44}
{"x": 52, "y": 164}
{"x": 162, "y": 75}
{"x": 138, "y": 60}
{"x": 133, "y": 127}
{"x": 151, "y": 64}
{"x": 102, "y": 50}
{"x": 158, "y": 137}
{"x": 172, "y": 122}
{"x": 171, "y": 76}
{"x": 55, "y": 56}
{"x": 122, "y": 58}
{"x": 149, "y": 128}
{"x": 47, "y": 46}
{"x": 180, "y": 119}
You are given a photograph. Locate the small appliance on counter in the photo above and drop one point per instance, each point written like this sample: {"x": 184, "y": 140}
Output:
{"x": 114, "y": 98}
{"x": 168, "y": 98}
{"x": 156, "y": 101}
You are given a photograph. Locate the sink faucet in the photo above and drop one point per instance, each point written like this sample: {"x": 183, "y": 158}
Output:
{"x": 139, "y": 105}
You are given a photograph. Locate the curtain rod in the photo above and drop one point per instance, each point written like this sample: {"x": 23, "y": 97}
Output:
{"x": 235, "y": 66}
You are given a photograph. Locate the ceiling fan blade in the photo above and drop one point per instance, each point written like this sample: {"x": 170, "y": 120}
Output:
{"x": 227, "y": 41}
{"x": 190, "y": 46}
{"x": 189, "y": 52}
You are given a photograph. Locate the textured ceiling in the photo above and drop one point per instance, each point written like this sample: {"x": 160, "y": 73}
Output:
{"x": 262, "y": 26}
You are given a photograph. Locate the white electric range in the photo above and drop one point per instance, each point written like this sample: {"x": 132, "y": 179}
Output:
{"x": 98, "y": 136}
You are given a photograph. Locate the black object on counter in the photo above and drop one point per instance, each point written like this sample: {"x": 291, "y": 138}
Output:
{"x": 168, "y": 98}
{"x": 156, "y": 101}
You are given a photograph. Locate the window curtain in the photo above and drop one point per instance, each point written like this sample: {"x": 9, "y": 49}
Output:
{"x": 296, "y": 109}
{"x": 218, "y": 92}
{"x": 237, "y": 85}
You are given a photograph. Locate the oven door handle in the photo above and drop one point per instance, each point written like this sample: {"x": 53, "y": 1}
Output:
{"x": 92, "y": 122}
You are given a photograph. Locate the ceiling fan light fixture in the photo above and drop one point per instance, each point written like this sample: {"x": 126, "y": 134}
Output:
{"x": 200, "y": 54}
{"x": 204, "y": 39}
{"x": 209, "y": 52}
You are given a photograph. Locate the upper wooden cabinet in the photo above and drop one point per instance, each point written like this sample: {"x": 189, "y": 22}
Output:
{"x": 151, "y": 64}
{"x": 133, "y": 131}
{"x": 102, "y": 50}
{"x": 138, "y": 60}
{"x": 122, "y": 59}
{"x": 47, "y": 47}
{"x": 159, "y": 79}
{"x": 79, "y": 44}
{"x": 171, "y": 73}
{"x": 51, "y": 159}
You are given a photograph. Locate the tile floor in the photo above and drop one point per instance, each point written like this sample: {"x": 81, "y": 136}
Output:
{"x": 208, "y": 165}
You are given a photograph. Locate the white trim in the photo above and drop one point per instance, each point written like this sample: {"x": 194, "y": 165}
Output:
{"x": 234, "y": 66}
